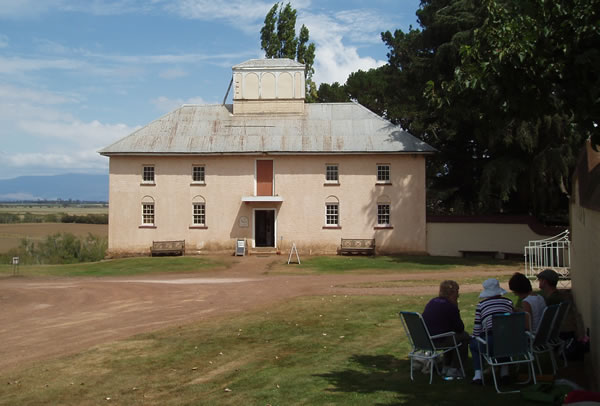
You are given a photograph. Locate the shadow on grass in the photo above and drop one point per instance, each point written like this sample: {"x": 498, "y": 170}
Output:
{"x": 445, "y": 261}
{"x": 386, "y": 373}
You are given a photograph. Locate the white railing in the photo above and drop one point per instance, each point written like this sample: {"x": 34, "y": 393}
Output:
{"x": 553, "y": 253}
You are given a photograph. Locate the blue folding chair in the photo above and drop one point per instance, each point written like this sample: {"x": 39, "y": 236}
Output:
{"x": 511, "y": 344}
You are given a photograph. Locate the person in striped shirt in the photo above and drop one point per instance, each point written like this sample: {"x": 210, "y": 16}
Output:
{"x": 492, "y": 303}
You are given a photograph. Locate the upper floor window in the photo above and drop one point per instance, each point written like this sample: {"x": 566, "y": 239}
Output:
{"x": 383, "y": 173}
{"x": 331, "y": 173}
{"x": 148, "y": 174}
{"x": 198, "y": 174}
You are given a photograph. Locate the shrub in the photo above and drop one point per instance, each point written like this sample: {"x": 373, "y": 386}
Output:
{"x": 59, "y": 248}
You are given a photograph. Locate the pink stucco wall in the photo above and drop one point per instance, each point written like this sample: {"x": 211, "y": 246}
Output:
{"x": 300, "y": 218}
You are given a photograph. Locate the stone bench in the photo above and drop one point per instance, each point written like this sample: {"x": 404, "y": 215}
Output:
{"x": 168, "y": 247}
{"x": 357, "y": 246}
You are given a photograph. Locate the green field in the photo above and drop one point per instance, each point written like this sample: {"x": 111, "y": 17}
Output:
{"x": 72, "y": 209}
{"x": 123, "y": 267}
{"x": 12, "y": 234}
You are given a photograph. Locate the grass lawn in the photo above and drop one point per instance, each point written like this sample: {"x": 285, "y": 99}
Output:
{"x": 326, "y": 350}
{"x": 396, "y": 263}
{"x": 123, "y": 267}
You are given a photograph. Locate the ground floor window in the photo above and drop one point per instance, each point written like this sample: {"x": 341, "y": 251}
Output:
{"x": 199, "y": 214}
{"x": 331, "y": 214}
{"x": 148, "y": 213}
{"x": 383, "y": 214}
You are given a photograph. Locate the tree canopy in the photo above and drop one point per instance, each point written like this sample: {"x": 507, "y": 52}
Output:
{"x": 278, "y": 39}
{"x": 506, "y": 90}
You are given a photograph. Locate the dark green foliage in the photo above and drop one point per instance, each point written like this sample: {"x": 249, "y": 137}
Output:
{"x": 7, "y": 218}
{"x": 505, "y": 90}
{"x": 268, "y": 34}
{"x": 59, "y": 248}
{"x": 278, "y": 40}
{"x": 87, "y": 219}
{"x": 333, "y": 93}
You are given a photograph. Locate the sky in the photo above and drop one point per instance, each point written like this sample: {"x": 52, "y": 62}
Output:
{"x": 77, "y": 75}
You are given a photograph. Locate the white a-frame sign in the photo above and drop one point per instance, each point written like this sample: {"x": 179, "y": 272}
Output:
{"x": 293, "y": 250}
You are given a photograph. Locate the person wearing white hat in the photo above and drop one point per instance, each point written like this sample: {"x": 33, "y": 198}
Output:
{"x": 492, "y": 302}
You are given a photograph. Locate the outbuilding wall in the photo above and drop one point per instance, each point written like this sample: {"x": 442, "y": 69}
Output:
{"x": 585, "y": 243}
{"x": 452, "y": 236}
{"x": 300, "y": 218}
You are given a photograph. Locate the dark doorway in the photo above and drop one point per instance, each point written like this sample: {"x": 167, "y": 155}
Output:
{"x": 264, "y": 228}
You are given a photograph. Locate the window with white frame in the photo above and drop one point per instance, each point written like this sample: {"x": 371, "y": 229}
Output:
{"x": 148, "y": 174}
{"x": 147, "y": 212}
{"x": 199, "y": 214}
{"x": 383, "y": 214}
{"x": 331, "y": 173}
{"x": 383, "y": 173}
{"x": 198, "y": 174}
{"x": 198, "y": 211}
{"x": 332, "y": 214}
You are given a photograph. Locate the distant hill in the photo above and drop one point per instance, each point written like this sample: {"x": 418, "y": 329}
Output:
{"x": 69, "y": 186}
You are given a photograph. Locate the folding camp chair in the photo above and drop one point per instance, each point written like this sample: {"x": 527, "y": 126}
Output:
{"x": 541, "y": 338}
{"x": 511, "y": 344}
{"x": 423, "y": 345}
{"x": 555, "y": 342}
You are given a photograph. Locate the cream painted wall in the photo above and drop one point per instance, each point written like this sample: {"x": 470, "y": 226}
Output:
{"x": 585, "y": 274}
{"x": 300, "y": 181}
{"x": 449, "y": 238}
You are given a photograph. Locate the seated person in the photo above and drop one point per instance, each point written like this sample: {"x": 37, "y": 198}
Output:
{"x": 531, "y": 303}
{"x": 548, "y": 279}
{"x": 492, "y": 303}
{"x": 441, "y": 315}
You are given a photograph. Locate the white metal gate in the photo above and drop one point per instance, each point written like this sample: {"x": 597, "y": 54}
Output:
{"x": 553, "y": 253}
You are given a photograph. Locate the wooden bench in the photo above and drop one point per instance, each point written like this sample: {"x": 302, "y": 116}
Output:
{"x": 478, "y": 253}
{"x": 168, "y": 247}
{"x": 357, "y": 246}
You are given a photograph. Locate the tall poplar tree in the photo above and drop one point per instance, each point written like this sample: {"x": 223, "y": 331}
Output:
{"x": 278, "y": 39}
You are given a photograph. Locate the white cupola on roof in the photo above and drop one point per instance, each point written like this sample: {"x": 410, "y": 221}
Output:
{"x": 268, "y": 86}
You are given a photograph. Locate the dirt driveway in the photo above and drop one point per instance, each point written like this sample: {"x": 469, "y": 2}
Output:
{"x": 46, "y": 317}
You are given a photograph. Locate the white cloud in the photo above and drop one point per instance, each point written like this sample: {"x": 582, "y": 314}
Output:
{"x": 18, "y": 196}
{"x": 15, "y": 65}
{"x": 3, "y": 41}
{"x": 334, "y": 60}
{"x": 45, "y": 136}
{"x": 26, "y": 8}
{"x": 13, "y": 94}
{"x": 174, "y": 73}
{"x": 164, "y": 104}
{"x": 78, "y": 133}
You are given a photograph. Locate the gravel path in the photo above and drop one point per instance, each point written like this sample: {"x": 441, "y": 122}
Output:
{"x": 48, "y": 317}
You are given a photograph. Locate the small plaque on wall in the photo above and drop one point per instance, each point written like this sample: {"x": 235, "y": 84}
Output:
{"x": 243, "y": 222}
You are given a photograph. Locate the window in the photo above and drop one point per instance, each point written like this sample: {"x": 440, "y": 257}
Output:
{"x": 331, "y": 214}
{"x": 383, "y": 173}
{"x": 198, "y": 173}
{"x": 148, "y": 214}
{"x": 383, "y": 214}
{"x": 331, "y": 173}
{"x": 148, "y": 174}
{"x": 199, "y": 214}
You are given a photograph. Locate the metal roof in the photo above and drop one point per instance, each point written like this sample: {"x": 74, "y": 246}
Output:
{"x": 324, "y": 128}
